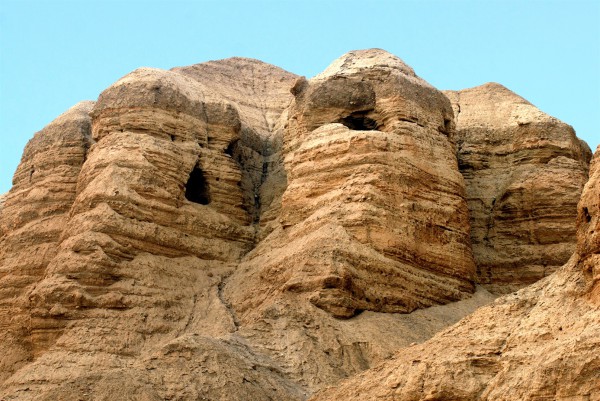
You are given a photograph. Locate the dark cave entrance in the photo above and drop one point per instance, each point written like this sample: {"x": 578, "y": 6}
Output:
{"x": 359, "y": 121}
{"x": 196, "y": 189}
{"x": 232, "y": 148}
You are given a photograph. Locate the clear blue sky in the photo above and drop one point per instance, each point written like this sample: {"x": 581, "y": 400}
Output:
{"x": 56, "y": 53}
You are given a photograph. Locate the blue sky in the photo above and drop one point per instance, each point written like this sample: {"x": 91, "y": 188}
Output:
{"x": 56, "y": 53}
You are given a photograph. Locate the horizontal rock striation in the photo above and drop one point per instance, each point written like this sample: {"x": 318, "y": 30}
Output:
{"x": 524, "y": 172}
{"x": 32, "y": 218}
{"x": 261, "y": 94}
{"x": 538, "y": 343}
{"x": 158, "y": 220}
{"x": 229, "y": 230}
{"x": 373, "y": 216}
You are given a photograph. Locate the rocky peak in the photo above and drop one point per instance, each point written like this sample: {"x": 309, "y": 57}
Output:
{"x": 364, "y": 61}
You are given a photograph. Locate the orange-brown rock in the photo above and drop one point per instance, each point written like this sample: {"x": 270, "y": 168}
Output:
{"x": 229, "y": 230}
{"x": 32, "y": 218}
{"x": 524, "y": 172}
{"x": 373, "y": 216}
{"x": 539, "y": 343}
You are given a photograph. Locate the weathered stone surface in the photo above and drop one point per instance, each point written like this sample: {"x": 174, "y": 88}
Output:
{"x": 137, "y": 256}
{"x": 588, "y": 235}
{"x": 198, "y": 234}
{"x": 33, "y": 215}
{"x": 524, "y": 172}
{"x": 261, "y": 94}
{"x": 539, "y": 343}
{"x": 373, "y": 216}
{"x": 2, "y": 199}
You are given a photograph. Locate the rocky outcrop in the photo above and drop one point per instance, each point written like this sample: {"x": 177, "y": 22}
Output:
{"x": 539, "y": 343}
{"x": 229, "y": 230}
{"x": 158, "y": 221}
{"x": 32, "y": 218}
{"x": 524, "y": 172}
{"x": 2, "y": 199}
{"x": 261, "y": 94}
{"x": 370, "y": 219}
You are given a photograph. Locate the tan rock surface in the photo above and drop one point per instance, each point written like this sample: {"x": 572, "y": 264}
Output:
{"x": 370, "y": 218}
{"x": 539, "y": 343}
{"x": 198, "y": 233}
{"x": 261, "y": 94}
{"x": 158, "y": 222}
{"x": 33, "y": 215}
{"x": 524, "y": 172}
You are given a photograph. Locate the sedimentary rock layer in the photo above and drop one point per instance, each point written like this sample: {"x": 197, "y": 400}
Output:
{"x": 32, "y": 218}
{"x": 524, "y": 172}
{"x": 261, "y": 94}
{"x": 539, "y": 343}
{"x": 373, "y": 216}
{"x": 229, "y": 230}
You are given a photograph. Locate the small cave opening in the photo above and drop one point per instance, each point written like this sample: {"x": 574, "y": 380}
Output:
{"x": 196, "y": 189}
{"x": 586, "y": 214}
{"x": 232, "y": 148}
{"x": 446, "y": 129}
{"x": 359, "y": 121}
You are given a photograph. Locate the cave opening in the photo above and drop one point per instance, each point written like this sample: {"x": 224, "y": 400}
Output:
{"x": 359, "y": 121}
{"x": 586, "y": 214}
{"x": 196, "y": 189}
{"x": 232, "y": 149}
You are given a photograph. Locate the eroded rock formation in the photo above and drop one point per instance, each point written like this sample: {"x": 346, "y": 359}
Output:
{"x": 373, "y": 216}
{"x": 33, "y": 216}
{"x": 539, "y": 343}
{"x": 230, "y": 230}
{"x": 524, "y": 171}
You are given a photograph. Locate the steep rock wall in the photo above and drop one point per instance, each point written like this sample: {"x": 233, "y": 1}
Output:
{"x": 218, "y": 221}
{"x": 370, "y": 219}
{"x": 539, "y": 343}
{"x": 158, "y": 222}
{"x": 32, "y": 220}
{"x": 524, "y": 172}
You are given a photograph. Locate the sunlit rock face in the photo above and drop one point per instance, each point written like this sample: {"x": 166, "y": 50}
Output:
{"x": 229, "y": 230}
{"x": 32, "y": 217}
{"x": 524, "y": 172}
{"x": 538, "y": 343}
{"x": 374, "y": 215}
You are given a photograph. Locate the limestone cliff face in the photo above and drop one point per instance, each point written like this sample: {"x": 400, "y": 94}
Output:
{"x": 230, "y": 230}
{"x": 539, "y": 343}
{"x": 524, "y": 172}
{"x": 588, "y": 238}
{"x": 370, "y": 219}
{"x": 261, "y": 94}
{"x": 32, "y": 217}
{"x": 158, "y": 220}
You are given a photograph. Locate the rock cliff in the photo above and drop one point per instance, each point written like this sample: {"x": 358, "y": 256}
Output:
{"x": 370, "y": 219}
{"x": 32, "y": 218}
{"x": 524, "y": 171}
{"x": 230, "y": 230}
{"x": 539, "y": 343}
